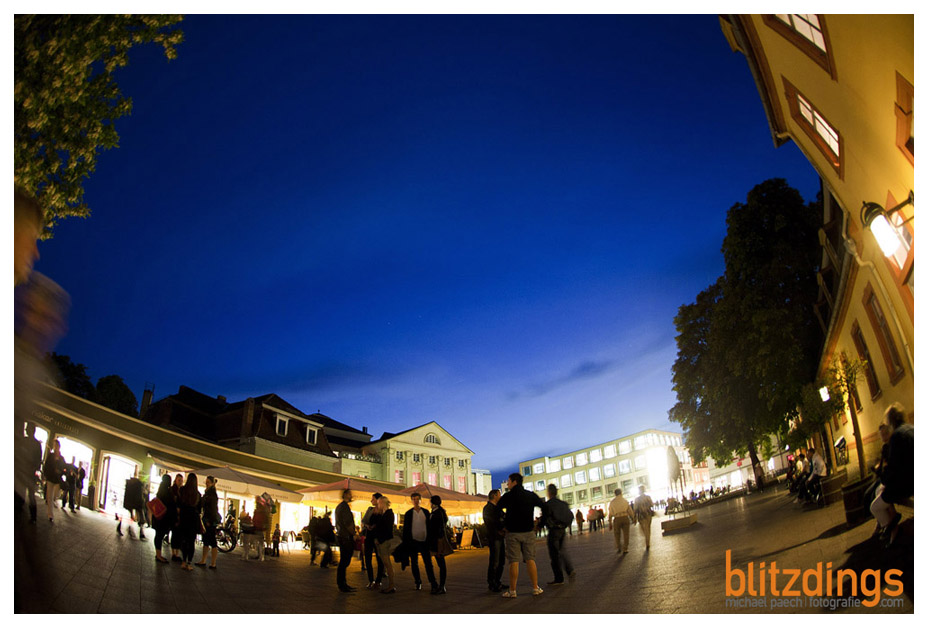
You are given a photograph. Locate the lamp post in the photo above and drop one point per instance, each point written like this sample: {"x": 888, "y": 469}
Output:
{"x": 875, "y": 218}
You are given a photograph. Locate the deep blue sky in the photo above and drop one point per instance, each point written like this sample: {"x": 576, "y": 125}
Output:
{"x": 489, "y": 222}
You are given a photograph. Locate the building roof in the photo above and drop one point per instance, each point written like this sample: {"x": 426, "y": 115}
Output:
{"x": 388, "y": 435}
{"x": 335, "y": 425}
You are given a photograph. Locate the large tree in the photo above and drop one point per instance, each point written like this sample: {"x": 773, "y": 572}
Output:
{"x": 74, "y": 378}
{"x": 749, "y": 344}
{"x": 66, "y": 100}
{"x": 113, "y": 393}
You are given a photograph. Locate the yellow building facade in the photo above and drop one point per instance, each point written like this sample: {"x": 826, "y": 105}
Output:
{"x": 841, "y": 88}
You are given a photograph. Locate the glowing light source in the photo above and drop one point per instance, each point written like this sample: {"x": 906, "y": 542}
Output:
{"x": 823, "y": 391}
{"x": 874, "y": 217}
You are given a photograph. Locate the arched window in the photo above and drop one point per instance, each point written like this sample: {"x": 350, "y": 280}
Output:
{"x": 432, "y": 439}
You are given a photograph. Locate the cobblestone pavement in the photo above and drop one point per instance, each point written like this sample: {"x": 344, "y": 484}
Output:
{"x": 80, "y": 565}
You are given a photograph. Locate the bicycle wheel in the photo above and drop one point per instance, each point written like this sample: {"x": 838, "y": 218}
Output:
{"x": 225, "y": 541}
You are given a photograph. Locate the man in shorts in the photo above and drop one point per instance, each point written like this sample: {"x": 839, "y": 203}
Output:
{"x": 519, "y": 506}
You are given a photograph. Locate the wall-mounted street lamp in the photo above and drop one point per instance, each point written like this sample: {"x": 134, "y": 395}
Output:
{"x": 874, "y": 217}
{"x": 823, "y": 392}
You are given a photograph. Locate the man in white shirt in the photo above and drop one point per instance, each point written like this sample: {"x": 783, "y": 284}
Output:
{"x": 415, "y": 537}
{"x": 818, "y": 472}
{"x": 620, "y": 514}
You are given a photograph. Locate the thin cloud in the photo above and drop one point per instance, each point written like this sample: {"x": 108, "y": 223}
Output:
{"x": 586, "y": 370}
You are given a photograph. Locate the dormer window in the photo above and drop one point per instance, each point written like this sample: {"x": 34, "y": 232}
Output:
{"x": 281, "y": 427}
{"x": 311, "y": 435}
{"x": 431, "y": 439}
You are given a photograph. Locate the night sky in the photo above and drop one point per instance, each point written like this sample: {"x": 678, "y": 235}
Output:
{"x": 489, "y": 222}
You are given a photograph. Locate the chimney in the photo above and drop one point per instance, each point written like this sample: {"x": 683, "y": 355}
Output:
{"x": 364, "y": 429}
{"x": 221, "y": 398}
{"x": 248, "y": 417}
{"x": 146, "y": 399}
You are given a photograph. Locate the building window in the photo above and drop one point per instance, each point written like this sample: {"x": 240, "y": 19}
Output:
{"x": 627, "y": 487}
{"x": 539, "y": 468}
{"x": 556, "y": 483}
{"x": 582, "y": 459}
{"x": 399, "y": 455}
{"x": 462, "y": 464}
{"x": 569, "y": 498}
{"x": 625, "y": 466}
{"x": 281, "y": 425}
{"x": 808, "y": 33}
{"x": 596, "y": 455}
{"x": 883, "y": 336}
{"x": 864, "y": 354}
{"x": 581, "y": 496}
{"x": 625, "y": 447}
{"x": 416, "y": 478}
{"x": 595, "y": 474}
{"x": 462, "y": 485}
{"x": 580, "y": 477}
{"x": 447, "y": 462}
{"x": 639, "y": 463}
{"x": 905, "y": 117}
{"x": 643, "y": 481}
{"x": 433, "y": 479}
{"x": 596, "y": 492}
{"x": 540, "y": 485}
{"x": 610, "y": 488}
{"x": 566, "y": 481}
{"x": 609, "y": 471}
{"x": 446, "y": 482}
{"x": 398, "y": 476}
{"x": 569, "y": 462}
{"x": 554, "y": 466}
{"x": 417, "y": 458}
{"x": 825, "y": 137}
{"x": 640, "y": 442}
{"x": 432, "y": 439}
{"x": 609, "y": 451}
{"x": 526, "y": 470}
{"x": 311, "y": 435}
{"x": 432, "y": 460}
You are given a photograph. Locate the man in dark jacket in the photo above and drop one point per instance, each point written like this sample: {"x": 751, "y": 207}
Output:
{"x": 209, "y": 505}
{"x": 557, "y": 517}
{"x": 493, "y": 520}
{"x": 134, "y": 502}
{"x": 344, "y": 524}
{"x": 519, "y": 506}
{"x": 415, "y": 539}
{"x": 368, "y": 558}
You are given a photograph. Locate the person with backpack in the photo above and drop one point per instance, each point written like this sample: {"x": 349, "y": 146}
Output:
{"x": 556, "y": 516}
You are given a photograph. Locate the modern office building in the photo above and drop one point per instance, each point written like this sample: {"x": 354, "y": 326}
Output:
{"x": 587, "y": 478}
{"x": 841, "y": 87}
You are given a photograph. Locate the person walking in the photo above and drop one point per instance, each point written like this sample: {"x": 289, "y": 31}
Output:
{"x": 384, "y": 542}
{"x": 79, "y": 484}
{"x": 620, "y": 516}
{"x": 344, "y": 525}
{"x": 415, "y": 538}
{"x": 52, "y": 470}
{"x": 643, "y": 514}
{"x": 368, "y": 523}
{"x": 165, "y": 523}
{"x": 189, "y": 521}
{"x": 557, "y": 518}
{"x": 439, "y": 545}
{"x": 275, "y": 539}
{"x": 579, "y": 522}
{"x": 519, "y": 508}
{"x": 209, "y": 514}
{"x": 492, "y": 519}
{"x": 133, "y": 502}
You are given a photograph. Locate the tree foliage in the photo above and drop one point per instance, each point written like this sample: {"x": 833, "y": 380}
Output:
{"x": 66, "y": 99}
{"x": 748, "y": 344}
{"x": 113, "y": 393}
{"x": 74, "y": 378}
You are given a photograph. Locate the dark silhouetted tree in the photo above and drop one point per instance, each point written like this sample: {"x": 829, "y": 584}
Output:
{"x": 113, "y": 393}
{"x": 74, "y": 378}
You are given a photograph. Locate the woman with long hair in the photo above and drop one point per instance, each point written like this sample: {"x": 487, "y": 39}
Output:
{"x": 437, "y": 523}
{"x": 165, "y": 522}
{"x": 383, "y": 540}
{"x": 175, "y": 533}
{"x": 189, "y": 523}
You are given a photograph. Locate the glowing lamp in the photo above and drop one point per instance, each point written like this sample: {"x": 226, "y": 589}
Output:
{"x": 823, "y": 391}
{"x": 875, "y": 218}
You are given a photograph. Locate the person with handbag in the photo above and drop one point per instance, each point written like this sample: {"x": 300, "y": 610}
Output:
{"x": 384, "y": 542}
{"x": 176, "y": 488}
{"x": 164, "y": 514}
{"x": 439, "y": 544}
{"x": 189, "y": 523}
{"x": 415, "y": 538}
{"x": 209, "y": 516}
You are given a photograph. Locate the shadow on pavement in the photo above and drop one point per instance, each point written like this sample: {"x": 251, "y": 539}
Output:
{"x": 871, "y": 554}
